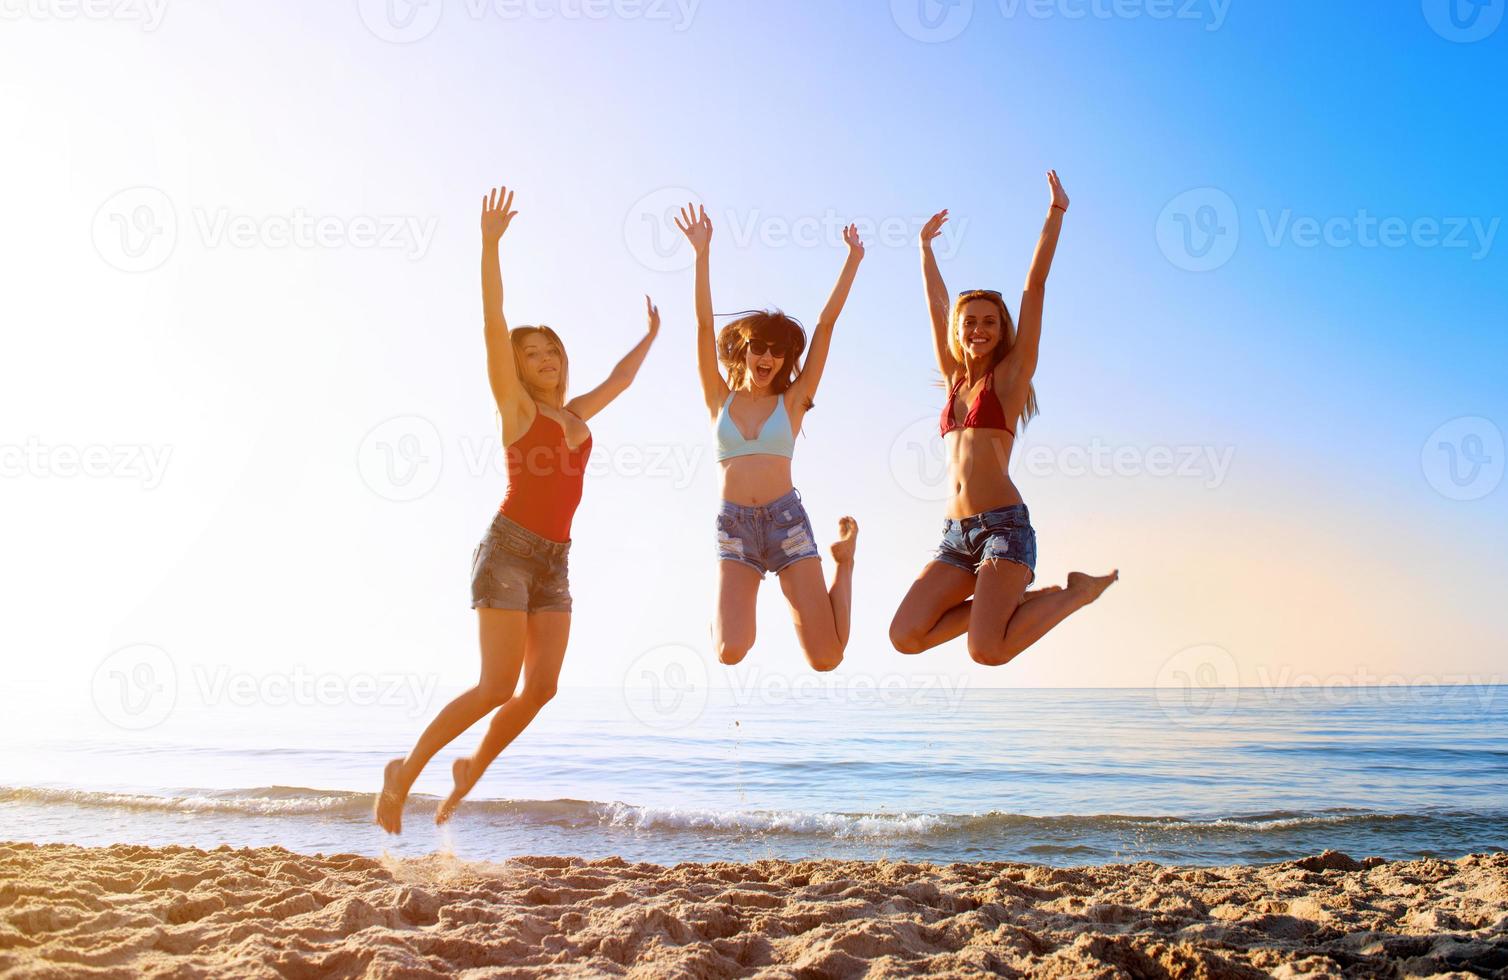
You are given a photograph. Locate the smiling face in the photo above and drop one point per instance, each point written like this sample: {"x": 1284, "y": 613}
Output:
{"x": 980, "y": 327}
{"x": 541, "y": 361}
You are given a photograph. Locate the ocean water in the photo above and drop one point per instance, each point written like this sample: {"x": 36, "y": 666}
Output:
{"x": 1058, "y": 777}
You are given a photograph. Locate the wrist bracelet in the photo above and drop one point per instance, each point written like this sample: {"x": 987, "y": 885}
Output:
{"x": 1060, "y": 208}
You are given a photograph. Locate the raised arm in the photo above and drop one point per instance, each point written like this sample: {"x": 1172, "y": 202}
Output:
{"x": 1021, "y": 362}
{"x": 938, "y": 301}
{"x": 804, "y": 388}
{"x": 697, "y": 228}
{"x": 594, "y": 401}
{"x": 512, "y": 400}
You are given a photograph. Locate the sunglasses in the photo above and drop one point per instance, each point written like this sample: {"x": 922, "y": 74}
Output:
{"x": 988, "y": 292}
{"x": 760, "y": 347}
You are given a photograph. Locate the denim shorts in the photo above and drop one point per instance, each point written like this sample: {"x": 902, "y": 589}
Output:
{"x": 1004, "y": 533}
{"x": 766, "y": 538}
{"x": 514, "y": 568}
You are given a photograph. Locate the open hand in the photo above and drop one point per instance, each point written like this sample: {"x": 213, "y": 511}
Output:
{"x": 1059, "y": 196}
{"x": 653, "y": 313}
{"x": 497, "y": 213}
{"x": 853, "y": 241}
{"x": 933, "y": 228}
{"x": 696, "y": 226}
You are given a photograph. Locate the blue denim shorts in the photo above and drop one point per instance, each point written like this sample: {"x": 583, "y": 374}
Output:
{"x": 766, "y": 538}
{"x": 514, "y": 568}
{"x": 1004, "y": 533}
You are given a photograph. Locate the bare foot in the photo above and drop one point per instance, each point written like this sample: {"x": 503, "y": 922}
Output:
{"x": 1091, "y": 585}
{"x": 848, "y": 536}
{"x": 460, "y": 770}
{"x": 387, "y": 811}
{"x": 1038, "y": 593}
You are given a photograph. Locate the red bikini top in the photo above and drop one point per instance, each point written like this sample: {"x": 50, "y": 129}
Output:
{"x": 985, "y": 413}
{"x": 544, "y": 479}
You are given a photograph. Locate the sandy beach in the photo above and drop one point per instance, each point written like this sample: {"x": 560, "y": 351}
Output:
{"x": 132, "y": 911}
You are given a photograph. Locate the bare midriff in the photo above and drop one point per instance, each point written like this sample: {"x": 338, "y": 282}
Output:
{"x": 978, "y": 471}
{"x": 753, "y": 481}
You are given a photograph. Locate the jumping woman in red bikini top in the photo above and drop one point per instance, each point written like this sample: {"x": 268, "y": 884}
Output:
{"x": 989, "y": 548}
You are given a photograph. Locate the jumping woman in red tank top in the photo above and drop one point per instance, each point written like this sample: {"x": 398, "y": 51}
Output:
{"x": 519, "y": 584}
{"x": 989, "y": 548}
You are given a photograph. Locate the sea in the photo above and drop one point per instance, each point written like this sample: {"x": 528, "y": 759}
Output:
{"x": 907, "y": 773}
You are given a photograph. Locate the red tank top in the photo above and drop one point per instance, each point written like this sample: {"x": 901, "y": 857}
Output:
{"x": 544, "y": 479}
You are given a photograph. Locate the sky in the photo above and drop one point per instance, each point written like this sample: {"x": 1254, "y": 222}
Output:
{"x": 244, "y": 417}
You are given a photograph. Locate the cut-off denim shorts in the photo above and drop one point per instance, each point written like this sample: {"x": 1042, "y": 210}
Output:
{"x": 766, "y": 538}
{"x": 1004, "y": 533}
{"x": 514, "y": 568}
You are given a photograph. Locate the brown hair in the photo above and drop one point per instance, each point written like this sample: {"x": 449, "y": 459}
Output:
{"x": 771, "y": 326}
{"x": 1002, "y": 348}
{"x": 520, "y": 334}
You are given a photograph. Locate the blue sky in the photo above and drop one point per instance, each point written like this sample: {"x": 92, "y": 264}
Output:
{"x": 265, "y": 371}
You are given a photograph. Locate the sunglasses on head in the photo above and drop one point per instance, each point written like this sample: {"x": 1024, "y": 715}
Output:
{"x": 988, "y": 292}
{"x": 759, "y": 348}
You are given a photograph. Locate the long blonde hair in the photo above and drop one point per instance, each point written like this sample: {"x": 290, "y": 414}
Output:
{"x": 518, "y": 335}
{"x": 1002, "y": 348}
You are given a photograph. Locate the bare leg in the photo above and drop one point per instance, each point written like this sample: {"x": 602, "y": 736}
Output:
{"x": 502, "y": 635}
{"x": 822, "y": 615}
{"x": 935, "y": 609}
{"x": 733, "y": 630}
{"x": 544, "y": 652}
{"x": 998, "y": 632}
